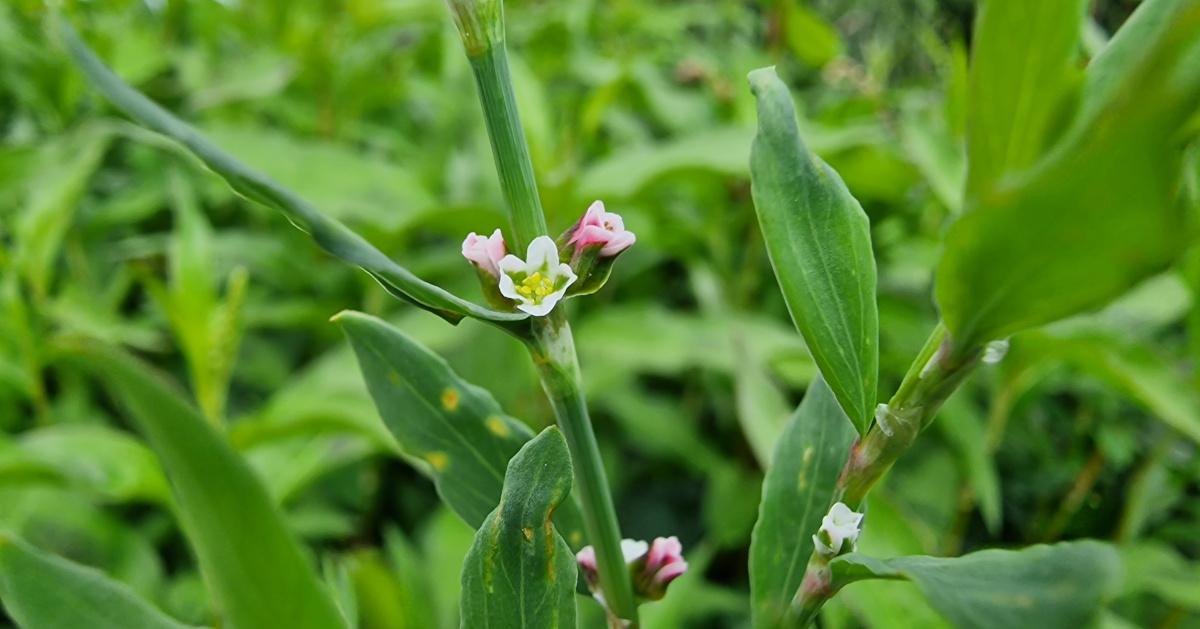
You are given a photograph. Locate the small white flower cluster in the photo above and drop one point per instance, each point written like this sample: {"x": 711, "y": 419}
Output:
{"x": 839, "y": 531}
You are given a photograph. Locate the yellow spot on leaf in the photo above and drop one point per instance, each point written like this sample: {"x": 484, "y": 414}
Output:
{"x": 450, "y": 399}
{"x": 527, "y": 533}
{"x": 497, "y": 426}
{"x": 437, "y": 460}
{"x": 576, "y": 538}
{"x": 394, "y": 377}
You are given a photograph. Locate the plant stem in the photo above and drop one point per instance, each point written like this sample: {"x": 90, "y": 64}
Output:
{"x": 509, "y": 147}
{"x": 553, "y": 352}
{"x": 481, "y": 24}
{"x": 938, "y": 370}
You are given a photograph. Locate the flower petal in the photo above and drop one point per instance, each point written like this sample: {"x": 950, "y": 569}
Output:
{"x": 542, "y": 254}
{"x": 508, "y": 288}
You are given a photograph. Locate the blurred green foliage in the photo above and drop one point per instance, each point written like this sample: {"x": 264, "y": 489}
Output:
{"x": 1088, "y": 428}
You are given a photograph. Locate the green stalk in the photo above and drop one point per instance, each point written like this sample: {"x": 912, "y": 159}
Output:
{"x": 938, "y": 370}
{"x": 481, "y": 25}
{"x": 553, "y": 351}
{"x": 509, "y": 147}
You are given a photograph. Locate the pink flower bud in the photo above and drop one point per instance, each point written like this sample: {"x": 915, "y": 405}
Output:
{"x": 587, "y": 560}
{"x": 485, "y": 253}
{"x": 664, "y": 562}
{"x": 599, "y": 228}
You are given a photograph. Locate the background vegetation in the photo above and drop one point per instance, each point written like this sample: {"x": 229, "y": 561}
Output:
{"x": 367, "y": 107}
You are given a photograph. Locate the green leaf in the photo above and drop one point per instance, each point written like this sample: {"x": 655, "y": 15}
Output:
{"x": 257, "y": 571}
{"x": 108, "y": 462}
{"x": 329, "y": 234}
{"x": 1018, "y": 84}
{"x": 796, "y": 494}
{"x": 456, "y": 428}
{"x": 819, "y": 241}
{"x": 42, "y": 591}
{"x": 1101, "y": 210}
{"x": 519, "y": 572}
{"x": 1063, "y": 585}
{"x": 55, "y": 192}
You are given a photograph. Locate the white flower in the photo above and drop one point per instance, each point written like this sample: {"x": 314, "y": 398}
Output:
{"x": 839, "y": 526}
{"x": 539, "y": 281}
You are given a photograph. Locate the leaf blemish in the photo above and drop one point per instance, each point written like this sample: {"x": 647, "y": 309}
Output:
{"x": 450, "y": 399}
{"x": 437, "y": 460}
{"x": 527, "y": 533}
{"x": 497, "y": 426}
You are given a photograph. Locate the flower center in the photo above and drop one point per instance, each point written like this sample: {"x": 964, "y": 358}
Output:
{"x": 536, "y": 287}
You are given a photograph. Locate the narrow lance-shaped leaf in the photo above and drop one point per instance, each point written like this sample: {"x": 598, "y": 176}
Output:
{"x": 1019, "y": 85}
{"x": 819, "y": 242}
{"x": 796, "y": 494}
{"x": 42, "y": 591}
{"x": 1101, "y": 210}
{"x": 455, "y": 427}
{"x": 519, "y": 572}
{"x": 328, "y": 233}
{"x": 1060, "y": 586}
{"x": 258, "y": 573}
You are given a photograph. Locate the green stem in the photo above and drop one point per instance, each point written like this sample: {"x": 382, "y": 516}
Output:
{"x": 509, "y": 147}
{"x": 553, "y": 352}
{"x": 937, "y": 372}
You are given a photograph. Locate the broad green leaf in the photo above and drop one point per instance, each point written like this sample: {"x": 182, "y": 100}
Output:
{"x": 328, "y": 233}
{"x": 42, "y": 591}
{"x": 455, "y": 428}
{"x": 519, "y": 572}
{"x": 1101, "y": 210}
{"x": 257, "y": 571}
{"x": 1023, "y": 71}
{"x": 819, "y": 242}
{"x": 890, "y": 604}
{"x": 1063, "y": 585}
{"x": 796, "y": 494}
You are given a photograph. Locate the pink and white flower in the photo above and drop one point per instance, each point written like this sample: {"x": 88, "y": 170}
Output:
{"x": 652, "y": 566}
{"x": 485, "y": 253}
{"x": 600, "y": 228}
{"x": 839, "y": 526}
{"x": 538, "y": 282}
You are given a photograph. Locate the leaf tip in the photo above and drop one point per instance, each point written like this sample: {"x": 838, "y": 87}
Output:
{"x": 761, "y": 78}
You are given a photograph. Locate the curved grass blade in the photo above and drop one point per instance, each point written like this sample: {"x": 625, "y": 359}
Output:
{"x": 329, "y": 234}
{"x": 42, "y": 591}
{"x": 258, "y": 573}
{"x": 519, "y": 572}
{"x": 1062, "y": 586}
{"x": 796, "y": 493}
{"x": 819, "y": 242}
{"x": 455, "y": 427}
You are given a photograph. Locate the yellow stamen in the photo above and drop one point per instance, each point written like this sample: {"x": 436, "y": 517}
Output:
{"x": 536, "y": 287}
